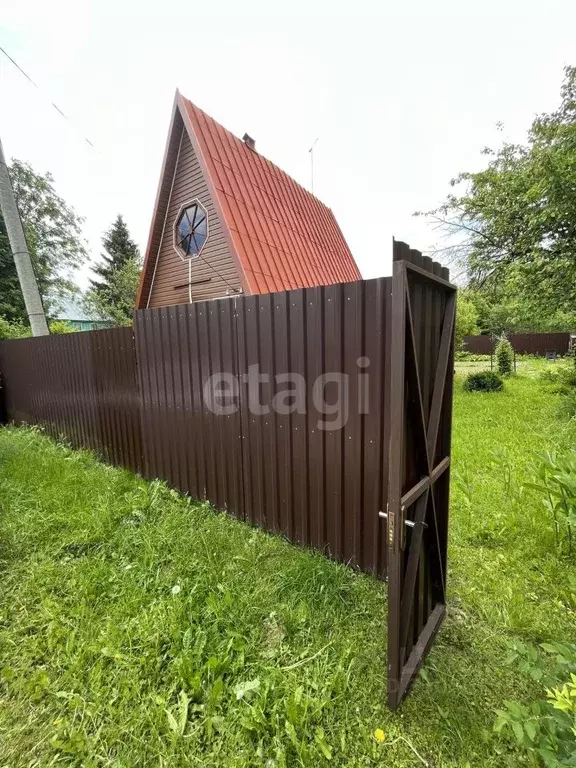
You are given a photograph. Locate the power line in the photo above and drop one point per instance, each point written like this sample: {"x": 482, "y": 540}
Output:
{"x": 235, "y": 290}
{"x": 18, "y": 66}
{"x": 57, "y": 108}
{"x": 27, "y": 76}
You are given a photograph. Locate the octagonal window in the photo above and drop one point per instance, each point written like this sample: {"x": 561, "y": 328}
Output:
{"x": 191, "y": 230}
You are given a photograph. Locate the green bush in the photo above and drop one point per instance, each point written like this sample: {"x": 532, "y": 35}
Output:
{"x": 504, "y": 357}
{"x": 15, "y": 330}
{"x": 61, "y": 326}
{"x": 567, "y": 377}
{"x": 544, "y": 729}
{"x": 563, "y": 382}
{"x": 12, "y": 330}
{"x": 483, "y": 381}
{"x": 567, "y": 408}
{"x": 556, "y": 480}
{"x": 549, "y": 375}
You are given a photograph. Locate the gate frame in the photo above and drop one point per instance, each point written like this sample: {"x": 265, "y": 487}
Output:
{"x": 402, "y": 574}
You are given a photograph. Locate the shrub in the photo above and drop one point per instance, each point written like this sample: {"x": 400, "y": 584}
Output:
{"x": 16, "y": 330}
{"x": 567, "y": 377}
{"x": 556, "y": 480}
{"x": 563, "y": 381}
{"x": 549, "y": 376}
{"x": 483, "y": 381}
{"x": 12, "y": 330}
{"x": 61, "y": 326}
{"x": 545, "y": 728}
{"x": 504, "y": 357}
{"x": 567, "y": 409}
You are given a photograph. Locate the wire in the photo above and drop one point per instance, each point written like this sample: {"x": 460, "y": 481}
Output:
{"x": 18, "y": 67}
{"x": 27, "y": 76}
{"x": 57, "y": 108}
{"x": 232, "y": 288}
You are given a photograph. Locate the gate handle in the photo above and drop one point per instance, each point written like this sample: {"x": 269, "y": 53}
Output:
{"x": 409, "y": 523}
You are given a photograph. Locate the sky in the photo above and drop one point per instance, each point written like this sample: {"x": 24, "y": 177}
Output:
{"x": 400, "y": 97}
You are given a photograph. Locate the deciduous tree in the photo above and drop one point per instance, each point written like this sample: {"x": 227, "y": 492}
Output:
{"x": 515, "y": 221}
{"x": 466, "y": 319}
{"x": 54, "y": 235}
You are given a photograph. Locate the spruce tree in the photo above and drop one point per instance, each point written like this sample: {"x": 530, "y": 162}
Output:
{"x": 119, "y": 249}
{"x": 113, "y": 295}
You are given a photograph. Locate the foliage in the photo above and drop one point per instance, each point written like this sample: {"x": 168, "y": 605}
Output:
{"x": 567, "y": 377}
{"x": 12, "y": 330}
{"x": 556, "y": 479}
{"x": 547, "y": 727}
{"x": 53, "y": 234}
{"x": 113, "y": 295}
{"x": 563, "y": 380}
{"x": 116, "y": 301}
{"x": 563, "y": 377}
{"x": 504, "y": 355}
{"x": 483, "y": 381}
{"x": 466, "y": 319}
{"x": 503, "y": 310}
{"x": 16, "y": 330}
{"x": 60, "y": 326}
{"x": 567, "y": 407}
{"x": 515, "y": 221}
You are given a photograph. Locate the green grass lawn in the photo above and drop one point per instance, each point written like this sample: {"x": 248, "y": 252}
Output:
{"x": 138, "y": 628}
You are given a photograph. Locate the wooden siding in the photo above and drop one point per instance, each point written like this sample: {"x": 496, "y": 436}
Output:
{"x": 215, "y": 264}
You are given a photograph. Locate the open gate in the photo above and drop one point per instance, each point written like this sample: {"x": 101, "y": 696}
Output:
{"x": 423, "y": 316}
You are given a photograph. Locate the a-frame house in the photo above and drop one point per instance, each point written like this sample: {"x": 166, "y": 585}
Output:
{"x": 227, "y": 220}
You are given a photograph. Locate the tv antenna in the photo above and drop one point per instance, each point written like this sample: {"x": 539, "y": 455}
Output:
{"x": 311, "y": 151}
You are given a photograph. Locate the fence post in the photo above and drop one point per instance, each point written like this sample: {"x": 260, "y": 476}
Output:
{"x": 395, "y": 466}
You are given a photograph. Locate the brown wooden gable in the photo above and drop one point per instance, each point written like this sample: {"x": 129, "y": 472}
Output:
{"x": 214, "y": 273}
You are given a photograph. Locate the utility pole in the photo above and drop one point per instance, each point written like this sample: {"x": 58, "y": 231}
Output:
{"x": 20, "y": 253}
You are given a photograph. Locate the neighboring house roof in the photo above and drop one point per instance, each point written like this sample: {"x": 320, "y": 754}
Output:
{"x": 282, "y": 236}
{"x": 68, "y": 309}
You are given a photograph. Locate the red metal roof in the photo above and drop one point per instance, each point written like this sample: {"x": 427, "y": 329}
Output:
{"x": 284, "y": 237}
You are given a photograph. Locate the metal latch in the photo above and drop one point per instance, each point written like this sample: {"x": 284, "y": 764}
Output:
{"x": 409, "y": 523}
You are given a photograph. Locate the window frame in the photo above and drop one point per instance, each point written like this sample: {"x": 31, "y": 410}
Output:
{"x": 175, "y": 241}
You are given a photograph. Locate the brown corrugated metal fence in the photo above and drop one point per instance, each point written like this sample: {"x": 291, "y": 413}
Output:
{"x": 523, "y": 343}
{"x": 81, "y": 386}
{"x": 278, "y": 409}
{"x": 319, "y": 487}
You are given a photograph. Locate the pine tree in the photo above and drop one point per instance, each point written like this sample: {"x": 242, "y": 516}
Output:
{"x": 119, "y": 249}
